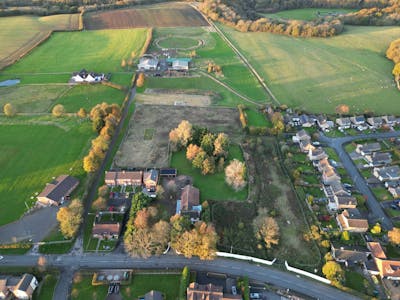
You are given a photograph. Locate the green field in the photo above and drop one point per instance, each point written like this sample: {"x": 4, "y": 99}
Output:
{"x": 98, "y": 51}
{"x": 87, "y": 96}
{"x": 19, "y": 33}
{"x": 317, "y": 74}
{"x": 178, "y": 42}
{"x": 256, "y": 118}
{"x": 32, "y": 153}
{"x": 212, "y": 187}
{"x": 307, "y": 14}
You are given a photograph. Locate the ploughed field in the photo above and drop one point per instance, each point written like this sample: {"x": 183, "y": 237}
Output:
{"x": 162, "y": 15}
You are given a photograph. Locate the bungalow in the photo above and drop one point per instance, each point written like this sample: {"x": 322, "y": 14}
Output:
{"x": 148, "y": 62}
{"x": 341, "y": 202}
{"x": 317, "y": 154}
{"x": 378, "y": 159}
{"x": 153, "y": 295}
{"x": 390, "y": 173}
{"x": 189, "y": 204}
{"x": 389, "y": 120}
{"x": 350, "y": 256}
{"x": 150, "y": 180}
{"x": 84, "y": 76}
{"x": 351, "y": 220}
{"x": 387, "y": 269}
{"x": 106, "y": 230}
{"x": 58, "y": 190}
{"x": 395, "y": 191}
{"x": 343, "y": 123}
{"x": 357, "y": 121}
{"x": 375, "y": 122}
{"x": 301, "y": 135}
{"x": 368, "y": 148}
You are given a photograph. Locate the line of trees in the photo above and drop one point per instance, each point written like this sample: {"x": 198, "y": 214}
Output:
{"x": 70, "y": 218}
{"x": 393, "y": 53}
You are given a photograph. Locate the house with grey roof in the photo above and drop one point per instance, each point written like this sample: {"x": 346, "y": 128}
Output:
{"x": 375, "y": 122}
{"x": 368, "y": 148}
{"x": 390, "y": 173}
{"x": 350, "y": 255}
{"x": 377, "y": 159}
{"x": 56, "y": 192}
{"x": 357, "y": 120}
{"x": 343, "y": 123}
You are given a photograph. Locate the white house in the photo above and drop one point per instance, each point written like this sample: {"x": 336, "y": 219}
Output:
{"x": 84, "y": 76}
{"x": 148, "y": 63}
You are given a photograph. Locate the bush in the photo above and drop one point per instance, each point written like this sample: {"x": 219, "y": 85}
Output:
{"x": 58, "y": 110}
{"x": 9, "y": 110}
{"x": 184, "y": 283}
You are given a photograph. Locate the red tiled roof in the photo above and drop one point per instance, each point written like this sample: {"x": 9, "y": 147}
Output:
{"x": 190, "y": 197}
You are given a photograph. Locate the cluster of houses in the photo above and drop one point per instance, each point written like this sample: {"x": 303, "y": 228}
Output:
{"x": 372, "y": 258}
{"x": 339, "y": 198}
{"x": 18, "y": 287}
{"x": 358, "y": 122}
{"x": 84, "y": 76}
{"x": 150, "y": 62}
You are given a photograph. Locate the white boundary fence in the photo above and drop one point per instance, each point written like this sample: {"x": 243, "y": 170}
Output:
{"x": 311, "y": 275}
{"x": 244, "y": 257}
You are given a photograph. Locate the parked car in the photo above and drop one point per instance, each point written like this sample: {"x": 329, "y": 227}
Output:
{"x": 234, "y": 291}
{"x": 254, "y": 296}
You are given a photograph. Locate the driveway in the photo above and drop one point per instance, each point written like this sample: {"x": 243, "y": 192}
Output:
{"x": 376, "y": 212}
{"x": 35, "y": 226}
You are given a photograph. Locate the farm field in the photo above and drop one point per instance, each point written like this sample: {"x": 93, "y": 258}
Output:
{"x": 318, "y": 74}
{"x": 307, "y": 14}
{"x": 29, "y": 160}
{"x": 159, "y": 15}
{"x": 87, "y": 96}
{"x": 139, "y": 150}
{"x": 20, "y": 33}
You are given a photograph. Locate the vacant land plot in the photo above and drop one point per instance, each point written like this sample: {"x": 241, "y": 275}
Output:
{"x": 32, "y": 153}
{"x": 19, "y": 34}
{"x": 138, "y": 151}
{"x": 161, "y": 15}
{"x": 308, "y": 14}
{"x": 98, "y": 51}
{"x": 31, "y": 98}
{"x": 318, "y": 74}
{"x": 87, "y": 96}
{"x": 173, "y": 99}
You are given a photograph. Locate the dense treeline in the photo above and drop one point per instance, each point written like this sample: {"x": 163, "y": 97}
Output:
{"x": 377, "y": 16}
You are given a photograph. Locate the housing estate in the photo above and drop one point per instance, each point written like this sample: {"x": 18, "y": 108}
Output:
{"x": 59, "y": 190}
{"x": 19, "y": 287}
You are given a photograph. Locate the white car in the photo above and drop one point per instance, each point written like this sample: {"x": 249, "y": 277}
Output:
{"x": 254, "y": 296}
{"x": 1, "y": 257}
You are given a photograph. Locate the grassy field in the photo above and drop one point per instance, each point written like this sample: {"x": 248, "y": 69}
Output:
{"x": 87, "y": 96}
{"x": 98, "y": 51}
{"x": 212, "y": 187}
{"x": 307, "y": 14}
{"x": 178, "y": 42}
{"x": 33, "y": 150}
{"x": 19, "y": 34}
{"x": 318, "y": 74}
{"x": 256, "y": 118}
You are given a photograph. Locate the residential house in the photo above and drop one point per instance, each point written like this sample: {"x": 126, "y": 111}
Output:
{"x": 387, "y": 269}
{"x": 368, "y": 148}
{"x": 87, "y": 77}
{"x": 341, "y": 202}
{"x": 390, "y": 173}
{"x": 56, "y": 192}
{"x": 306, "y": 121}
{"x": 106, "y": 230}
{"x": 375, "y": 122}
{"x": 335, "y": 189}
{"x": 357, "y": 121}
{"x": 293, "y": 120}
{"x": 154, "y": 295}
{"x": 148, "y": 62}
{"x": 150, "y": 180}
{"x": 323, "y": 123}
{"x": 343, "y": 123}
{"x": 110, "y": 178}
{"x": 306, "y": 146}
{"x": 389, "y": 120}
{"x": 301, "y": 135}
{"x": 393, "y": 184}
{"x": 20, "y": 287}
{"x": 129, "y": 178}
{"x": 350, "y": 255}
{"x": 317, "y": 154}
{"x": 329, "y": 176}
{"x": 351, "y": 220}
{"x": 189, "y": 203}
{"x": 376, "y": 159}
{"x": 209, "y": 291}
{"x": 395, "y": 191}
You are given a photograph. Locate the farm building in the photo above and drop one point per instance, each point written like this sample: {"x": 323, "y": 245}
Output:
{"x": 106, "y": 230}
{"x": 58, "y": 190}
{"x": 179, "y": 64}
{"x": 85, "y": 76}
{"x": 148, "y": 63}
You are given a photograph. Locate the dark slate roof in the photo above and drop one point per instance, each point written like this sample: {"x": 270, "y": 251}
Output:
{"x": 24, "y": 283}
{"x": 59, "y": 188}
{"x": 168, "y": 172}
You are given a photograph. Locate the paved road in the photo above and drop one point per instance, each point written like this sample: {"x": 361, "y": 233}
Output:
{"x": 376, "y": 212}
{"x": 237, "y": 268}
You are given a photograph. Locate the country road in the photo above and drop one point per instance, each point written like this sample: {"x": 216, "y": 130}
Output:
{"x": 273, "y": 276}
{"x": 376, "y": 211}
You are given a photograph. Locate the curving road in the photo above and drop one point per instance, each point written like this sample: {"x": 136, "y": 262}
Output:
{"x": 237, "y": 268}
{"x": 376, "y": 211}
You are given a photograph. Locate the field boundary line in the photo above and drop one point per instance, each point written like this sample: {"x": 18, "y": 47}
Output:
{"x": 241, "y": 56}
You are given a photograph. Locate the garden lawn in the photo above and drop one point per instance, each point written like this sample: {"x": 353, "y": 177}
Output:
{"x": 141, "y": 284}
{"x": 307, "y": 14}
{"x": 32, "y": 154}
{"x": 83, "y": 289}
{"x": 60, "y": 248}
{"x": 317, "y": 74}
{"x": 87, "y": 96}
{"x": 98, "y": 51}
{"x": 213, "y": 186}
{"x": 47, "y": 288}
{"x": 356, "y": 281}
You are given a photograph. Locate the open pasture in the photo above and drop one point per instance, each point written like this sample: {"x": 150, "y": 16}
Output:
{"x": 32, "y": 152}
{"x": 160, "y": 15}
{"x": 138, "y": 151}
{"x": 19, "y": 34}
{"x": 308, "y": 14}
{"x": 318, "y": 74}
